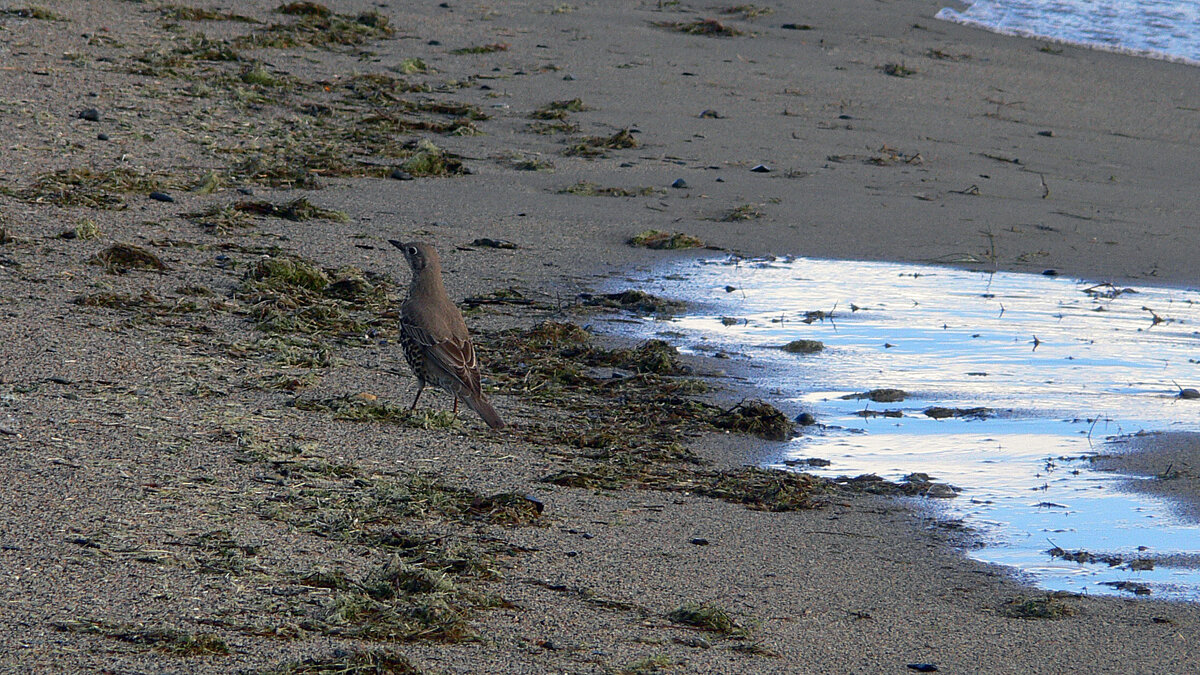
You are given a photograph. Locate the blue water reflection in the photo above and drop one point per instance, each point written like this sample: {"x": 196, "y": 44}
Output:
{"x": 1059, "y": 364}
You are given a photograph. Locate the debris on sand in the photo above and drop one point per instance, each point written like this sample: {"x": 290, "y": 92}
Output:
{"x": 759, "y": 418}
{"x": 120, "y": 258}
{"x": 639, "y": 302}
{"x": 658, "y": 239}
{"x": 708, "y": 27}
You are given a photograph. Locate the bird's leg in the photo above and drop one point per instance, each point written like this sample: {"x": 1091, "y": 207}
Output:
{"x": 456, "y": 405}
{"x": 416, "y": 398}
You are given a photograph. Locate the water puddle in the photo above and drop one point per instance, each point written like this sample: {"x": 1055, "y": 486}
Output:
{"x": 1056, "y": 365}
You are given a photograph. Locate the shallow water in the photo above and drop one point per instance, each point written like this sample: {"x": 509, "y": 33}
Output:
{"x": 1059, "y": 365}
{"x": 1168, "y": 29}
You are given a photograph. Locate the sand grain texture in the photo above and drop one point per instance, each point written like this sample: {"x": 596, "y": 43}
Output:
{"x": 175, "y": 442}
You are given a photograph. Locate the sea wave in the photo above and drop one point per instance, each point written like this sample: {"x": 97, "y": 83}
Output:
{"x": 1155, "y": 29}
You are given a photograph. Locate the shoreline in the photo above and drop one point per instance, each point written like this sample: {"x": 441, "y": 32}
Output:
{"x": 216, "y": 472}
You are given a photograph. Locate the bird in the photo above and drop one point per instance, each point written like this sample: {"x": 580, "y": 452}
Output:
{"x": 434, "y": 336}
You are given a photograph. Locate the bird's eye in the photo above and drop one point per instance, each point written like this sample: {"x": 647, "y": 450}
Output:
{"x": 411, "y": 250}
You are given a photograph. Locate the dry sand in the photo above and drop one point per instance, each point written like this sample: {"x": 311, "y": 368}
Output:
{"x": 160, "y": 479}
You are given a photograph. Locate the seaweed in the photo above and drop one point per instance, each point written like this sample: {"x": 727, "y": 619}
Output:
{"x": 594, "y": 146}
{"x": 121, "y": 258}
{"x": 658, "y": 239}
{"x": 158, "y": 638}
{"x": 706, "y": 27}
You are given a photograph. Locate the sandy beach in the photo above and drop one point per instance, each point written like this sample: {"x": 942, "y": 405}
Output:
{"x": 203, "y": 405}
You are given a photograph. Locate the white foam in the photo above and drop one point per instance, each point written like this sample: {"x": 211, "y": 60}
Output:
{"x": 1155, "y": 29}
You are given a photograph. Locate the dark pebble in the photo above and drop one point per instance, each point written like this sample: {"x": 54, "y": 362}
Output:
{"x": 401, "y": 174}
{"x": 102, "y": 137}
{"x": 624, "y": 165}
{"x": 845, "y": 117}
{"x": 1047, "y": 133}
{"x": 806, "y": 419}
{"x": 720, "y": 180}
{"x": 711, "y": 114}
{"x": 796, "y": 26}
{"x": 485, "y": 87}
{"x": 59, "y": 380}
{"x": 588, "y": 535}
{"x": 923, "y": 667}
{"x": 493, "y": 243}
{"x": 698, "y": 541}
{"x": 569, "y": 77}
{"x": 161, "y": 197}
{"x": 572, "y": 554}
{"x": 9, "y": 431}
{"x": 434, "y": 43}
{"x": 679, "y": 183}
{"x": 730, "y": 289}
{"x": 761, "y": 168}
{"x": 1049, "y": 273}
{"x": 89, "y": 114}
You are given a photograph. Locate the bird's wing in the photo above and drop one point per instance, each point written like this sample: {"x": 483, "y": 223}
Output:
{"x": 455, "y": 356}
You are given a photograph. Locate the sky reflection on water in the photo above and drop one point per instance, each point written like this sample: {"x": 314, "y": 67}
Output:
{"x": 1060, "y": 365}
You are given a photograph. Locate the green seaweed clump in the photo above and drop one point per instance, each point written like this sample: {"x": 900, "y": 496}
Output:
{"x": 120, "y": 258}
{"x": 707, "y": 27}
{"x": 706, "y": 617}
{"x": 803, "y": 347}
{"x": 658, "y": 239}
{"x": 299, "y": 209}
{"x": 636, "y": 301}
{"x": 373, "y": 662}
{"x": 1048, "y": 606}
{"x": 758, "y": 418}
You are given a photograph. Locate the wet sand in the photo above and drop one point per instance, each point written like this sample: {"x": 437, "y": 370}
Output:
{"x": 158, "y": 480}
{"x": 1165, "y": 465}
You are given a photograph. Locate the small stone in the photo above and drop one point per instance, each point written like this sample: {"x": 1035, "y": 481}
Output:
{"x": 434, "y": 43}
{"x": 711, "y": 115}
{"x": 572, "y": 554}
{"x": 7, "y": 430}
{"x": 245, "y": 191}
{"x": 493, "y": 243}
{"x": 1049, "y": 273}
{"x": 588, "y": 535}
{"x": 720, "y": 180}
{"x": 569, "y": 77}
{"x": 923, "y": 667}
{"x": 59, "y": 380}
{"x": 102, "y": 137}
{"x": 1047, "y": 133}
{"x": 796, "y": 26}
{"x": 401, "y": 174}
{"x": 89, "y": 114}
{"x": 806, "y": 419}
{"x": 730, "y": 289}
{"x": 679, "y": 184}
{"x": 761, "y": 168}
{"x": 161, "y": 197}
{"x": 698, "y": 541}
{"x": 845, "y": 117}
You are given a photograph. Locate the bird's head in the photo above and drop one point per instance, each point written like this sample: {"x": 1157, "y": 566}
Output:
{"x": 418, "y": 255}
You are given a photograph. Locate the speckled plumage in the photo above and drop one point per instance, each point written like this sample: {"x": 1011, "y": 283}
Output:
{"x": 434, "y": 336}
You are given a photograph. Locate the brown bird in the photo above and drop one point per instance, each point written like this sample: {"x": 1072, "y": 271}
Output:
{"x": 436, "y": 343}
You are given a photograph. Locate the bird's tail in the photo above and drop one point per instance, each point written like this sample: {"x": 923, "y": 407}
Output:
{"x": 480, "y": 405}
